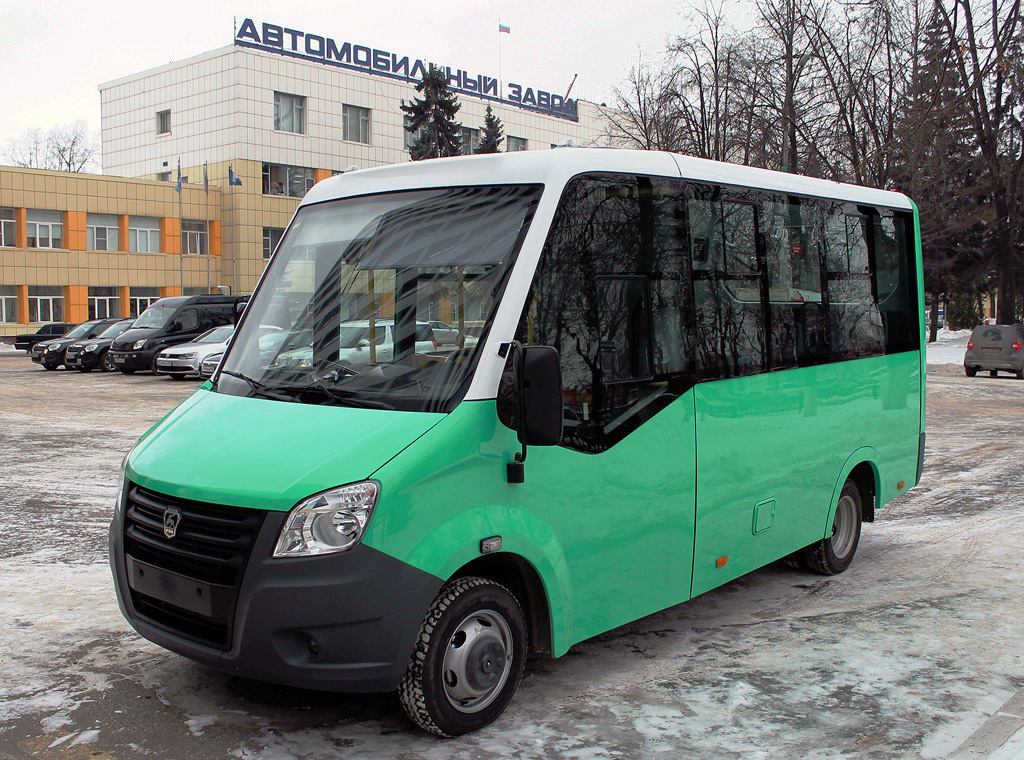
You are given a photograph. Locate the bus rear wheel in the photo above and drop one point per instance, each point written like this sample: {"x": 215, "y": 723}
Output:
{"x": 834, "y": 553}
{"x": 468, "y": 660}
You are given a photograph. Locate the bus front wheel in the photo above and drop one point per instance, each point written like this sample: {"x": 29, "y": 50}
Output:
{"x": 834, "y": 553}
{"x": 468, "y": 660}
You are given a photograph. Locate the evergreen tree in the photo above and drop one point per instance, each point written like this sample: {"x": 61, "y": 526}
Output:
{"x": 941, "y": 172}
{"x": 432, "y": 118}
{"x": 492, "y": 135}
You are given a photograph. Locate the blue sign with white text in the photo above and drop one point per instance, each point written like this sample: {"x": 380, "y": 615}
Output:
{"x": 313, "y": 47}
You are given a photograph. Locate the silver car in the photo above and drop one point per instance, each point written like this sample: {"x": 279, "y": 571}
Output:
{"x": 184, "y": 359}
{"x": 996, "y": 348}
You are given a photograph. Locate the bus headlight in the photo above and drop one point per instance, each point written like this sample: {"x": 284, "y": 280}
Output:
{"x": 328, "y": 522}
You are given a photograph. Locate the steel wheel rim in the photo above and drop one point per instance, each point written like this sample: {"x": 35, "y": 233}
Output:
{"x": 106, "y": 364}
{"x": 844, "y": 526}
{"x": 477, "y": 661}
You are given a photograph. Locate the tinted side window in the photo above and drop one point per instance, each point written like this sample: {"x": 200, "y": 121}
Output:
{"x": 793, "y": 260}
{"x": 727, "y": 287}
{"x": 189, "y": 319}
{"x": 896, "y": 283}
{"x": 855, "y": 323}
{"x": 611, "y": 294}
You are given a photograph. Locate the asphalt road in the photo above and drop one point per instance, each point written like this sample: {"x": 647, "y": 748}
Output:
{"x": 914, "y": 652}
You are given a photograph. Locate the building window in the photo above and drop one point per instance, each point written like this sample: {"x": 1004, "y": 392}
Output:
{"x": 288, "y": 112}
{"x": 139, "y": 299}
{"x": 164, "y": 176}
{"x": 45, "y": 229}
{"x": 101, "y": 232}
{"x": 470, "y": 141}
{"x": 45, "y": 304}
{"x": 411, "y": 138}
{"x": 143, "y": 234}
{"x": 271, "y": 237}
{"x": 163, "y": 122}
{"x": 8, "y": 303}
{"x": 293, "y": 181}
{"x": 355, "y": 124}
{"x": 193, "y": 238}
{"x": 7, "y": 227}
{"x": 512, "y": 144}
{"x": 103, "y": 303}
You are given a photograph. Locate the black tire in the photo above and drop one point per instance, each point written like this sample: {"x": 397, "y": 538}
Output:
{"x": 834, "y": 553}
{"x": 152, "y": 366}
{"x": 468, "y": 660}
{"x": 84, "y": 369}
{"x": 1020, "y": 374}
{"x": 176, "y": 376}
{"x": 48, "y": 368}
{"x": 993, "y": 373}
{"x": 971, "y": 371}
{"x": 106, "y": 363}
{"x": 126, "y": 371}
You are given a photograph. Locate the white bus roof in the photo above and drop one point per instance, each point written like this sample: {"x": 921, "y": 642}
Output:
{"x": 556, "y": 167}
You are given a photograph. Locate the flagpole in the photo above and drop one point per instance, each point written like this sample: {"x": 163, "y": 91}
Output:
{"x": 181, "y": 238}
{"x": 206, "y": 187}
{"x": 501, "y": 82}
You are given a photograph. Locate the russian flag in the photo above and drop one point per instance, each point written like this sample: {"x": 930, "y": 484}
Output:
{"x": 503, "y": 28}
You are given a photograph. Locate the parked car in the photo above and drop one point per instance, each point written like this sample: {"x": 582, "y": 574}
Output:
{"x": 50, "y": 353}
{"x": 46, "y": 332}
{"x": 354, "y": 345}
{"x": 178, "y": 362}
{"x": 209, "y": 365}
{"x": 87, "y": 355}
{"x": 997, "y": 348}
{"x": 170, "y": 322}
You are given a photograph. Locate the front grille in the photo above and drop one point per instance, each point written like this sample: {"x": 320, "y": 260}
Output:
{"x": 121, "y": 345}
{"x": 211, "y": 545}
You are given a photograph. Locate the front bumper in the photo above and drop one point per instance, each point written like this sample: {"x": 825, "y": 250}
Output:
{"x": 344, "y": 622}
{"x": 137, "y": 360}
{"x": 172, "y": 365}
{"x": 82, "y": 360}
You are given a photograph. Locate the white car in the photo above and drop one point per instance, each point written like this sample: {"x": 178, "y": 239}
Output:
{"x": 184, "y": 359}
{"x": 354, "y": 345}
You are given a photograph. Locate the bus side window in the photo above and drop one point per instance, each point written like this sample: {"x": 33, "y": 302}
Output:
{"x": 855, "y": 321}
{"x": 792, "y": 250}
{"x": 894, "y": 280}
{"x": 727, "y": 293}
{"x": 609, "y": 295}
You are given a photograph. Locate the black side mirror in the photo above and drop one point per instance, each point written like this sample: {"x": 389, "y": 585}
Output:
{"x": 174, "y": 327}
{"x": 538, "y": 383}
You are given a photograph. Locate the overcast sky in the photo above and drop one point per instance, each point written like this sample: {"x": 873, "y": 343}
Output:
{"x": 55, "y": 52}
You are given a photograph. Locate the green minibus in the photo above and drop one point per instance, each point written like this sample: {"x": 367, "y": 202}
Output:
{"x": 657, "y": 374}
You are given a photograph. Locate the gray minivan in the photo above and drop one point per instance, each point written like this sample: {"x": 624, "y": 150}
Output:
{"x": 997, "y": 348}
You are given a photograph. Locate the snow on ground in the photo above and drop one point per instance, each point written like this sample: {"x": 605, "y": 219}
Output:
{"x": 949, "y": 347}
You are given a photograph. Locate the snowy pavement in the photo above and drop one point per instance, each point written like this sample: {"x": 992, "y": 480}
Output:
{"x": 914, "y": 652}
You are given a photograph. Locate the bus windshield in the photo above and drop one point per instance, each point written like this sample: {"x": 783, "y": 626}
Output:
{"x": 348, "y": 311}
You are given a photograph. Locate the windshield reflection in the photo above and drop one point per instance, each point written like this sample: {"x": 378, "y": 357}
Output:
{"x": 380, "y": 301}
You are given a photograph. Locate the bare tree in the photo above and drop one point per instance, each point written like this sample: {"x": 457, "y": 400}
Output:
{"x": 987, "y": 57}
{"x": 644, "y": 114}
{"x": 66, "y": 147}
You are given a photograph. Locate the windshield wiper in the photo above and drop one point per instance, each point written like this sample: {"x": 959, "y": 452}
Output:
{"x": 258, "y": 387}
{"x": 344, "y": 397}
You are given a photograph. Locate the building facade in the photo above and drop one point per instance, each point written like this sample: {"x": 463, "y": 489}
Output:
{"x": 280, "y": 110}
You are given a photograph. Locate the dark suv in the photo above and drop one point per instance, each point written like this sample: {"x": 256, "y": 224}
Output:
{"x": 46, "y": 332}
{"x": 997, "y": 348}
{"x": 50, "y": 353}
{"x": 168, "y": 322}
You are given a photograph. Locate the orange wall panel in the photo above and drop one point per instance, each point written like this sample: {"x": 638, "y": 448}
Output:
{"x": 76, "y": 303}
{"x": 122, "y": 237}
{"x": 124, "y": 297}
{"x": 21, "y": 231}
{"x": 170, "y": 290}
{"x": 170, "y": 235}
{"x": 22, "y": 291}
{"x": 215, "y": 238}
{"x": 320, "y": 174}
{"x": 75, "y": 238}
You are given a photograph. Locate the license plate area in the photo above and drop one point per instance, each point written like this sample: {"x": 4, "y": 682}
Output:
{"x": 195, "y": 596}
